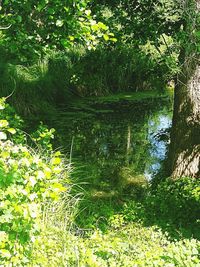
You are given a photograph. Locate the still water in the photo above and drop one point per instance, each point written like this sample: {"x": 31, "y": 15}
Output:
{"x": 109, "y": 141}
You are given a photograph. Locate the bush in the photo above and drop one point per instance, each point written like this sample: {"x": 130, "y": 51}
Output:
{"x": 27, "y": 182}
{"x": 177, "y": 200}
{"x": 128, "y": 246}
{"x": 133, "y": 246}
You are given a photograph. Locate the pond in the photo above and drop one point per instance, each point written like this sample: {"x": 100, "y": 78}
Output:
{"x": 114, "y": 144}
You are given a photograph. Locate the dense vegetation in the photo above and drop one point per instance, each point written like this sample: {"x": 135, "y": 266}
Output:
{"x": 82, "y": 55}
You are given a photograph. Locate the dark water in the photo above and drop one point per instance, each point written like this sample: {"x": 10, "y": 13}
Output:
{"x": 112, "y": 145}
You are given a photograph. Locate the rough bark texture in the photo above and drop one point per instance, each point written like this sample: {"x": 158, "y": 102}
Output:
{"x": 184, "y": 154}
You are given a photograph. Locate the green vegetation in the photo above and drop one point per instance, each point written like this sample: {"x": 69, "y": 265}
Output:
{"x": 61, "y": 77}
{"x": 28, "y": 181}
{"x": 92, "y": 171}
{"x": 42, "y": 225}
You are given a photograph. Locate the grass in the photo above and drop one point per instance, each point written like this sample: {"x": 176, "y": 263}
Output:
{"x": 119, "y": 232}
{"x": 60, "y": 77}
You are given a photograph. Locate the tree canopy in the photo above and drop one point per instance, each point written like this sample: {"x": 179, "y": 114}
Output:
{"x": 39, "y": 26}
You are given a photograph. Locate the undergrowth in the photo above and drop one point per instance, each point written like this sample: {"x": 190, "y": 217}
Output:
{"x": 61, "y": 76}
{"x": 29, "y": 181}
{"x": 43, "y": 224}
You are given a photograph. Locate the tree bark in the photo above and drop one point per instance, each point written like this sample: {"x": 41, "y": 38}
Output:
{"x": 184, "y": 153}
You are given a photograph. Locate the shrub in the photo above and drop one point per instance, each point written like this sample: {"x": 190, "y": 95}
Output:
{"x": 135, "y": 246}
{"x": 27, "y": 182}
{"x": 130, "y": 245}
{"x": 177, "y": 200}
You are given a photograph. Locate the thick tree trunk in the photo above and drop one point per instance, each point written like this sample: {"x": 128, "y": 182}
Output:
{"x": 184, "y": 153}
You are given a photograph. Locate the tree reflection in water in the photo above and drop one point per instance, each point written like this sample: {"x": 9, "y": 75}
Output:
{"x": 116, "y": 147}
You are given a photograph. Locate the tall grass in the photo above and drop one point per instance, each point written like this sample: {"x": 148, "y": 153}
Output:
{"x": 63, "y": 75}
{"x": 117, "y": 70}
{"x": 28, "y": 85}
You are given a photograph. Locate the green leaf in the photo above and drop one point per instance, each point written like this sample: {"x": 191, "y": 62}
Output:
{"x": 19, "y": 18}
{"x": 56, "y": 161}
{"x": 11, "y": 130}
{"x": 3, "y": 136}
{"x": 2, "y": 104}
{"x": 59, "y": 23}
{"x": 5, "y": 253}
{"x": 106, "y": 37}
{"x": 88, "y": 12}
{"x": 3, "y": 123}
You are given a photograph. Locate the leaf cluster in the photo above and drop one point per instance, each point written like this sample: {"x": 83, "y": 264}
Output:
{"x": 43, "y": 25}
{"x": 28, "y": 180}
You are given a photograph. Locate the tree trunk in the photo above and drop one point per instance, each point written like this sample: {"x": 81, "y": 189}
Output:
{"x": 184, "y": 153}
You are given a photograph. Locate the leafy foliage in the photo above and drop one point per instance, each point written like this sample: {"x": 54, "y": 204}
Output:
{"x": 122, "y": 245}
{"x": 36, "y": 230}
{"x": 37, "y": 26}
{"x": 27, "y": 181}
{"x": 10, "y": 122}
{"x": 137, "y": 246}
{"x": 178, "y": 200}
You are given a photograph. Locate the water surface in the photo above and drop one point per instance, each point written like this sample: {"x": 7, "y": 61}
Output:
{"x": 112, "y": 145}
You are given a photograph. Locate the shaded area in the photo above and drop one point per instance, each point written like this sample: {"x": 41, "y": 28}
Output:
{"x": 115, "y": 147}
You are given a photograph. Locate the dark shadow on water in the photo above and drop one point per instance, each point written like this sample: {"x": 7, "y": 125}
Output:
{"x": 116, "y": 152}
{"x": 115, "y": 149}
